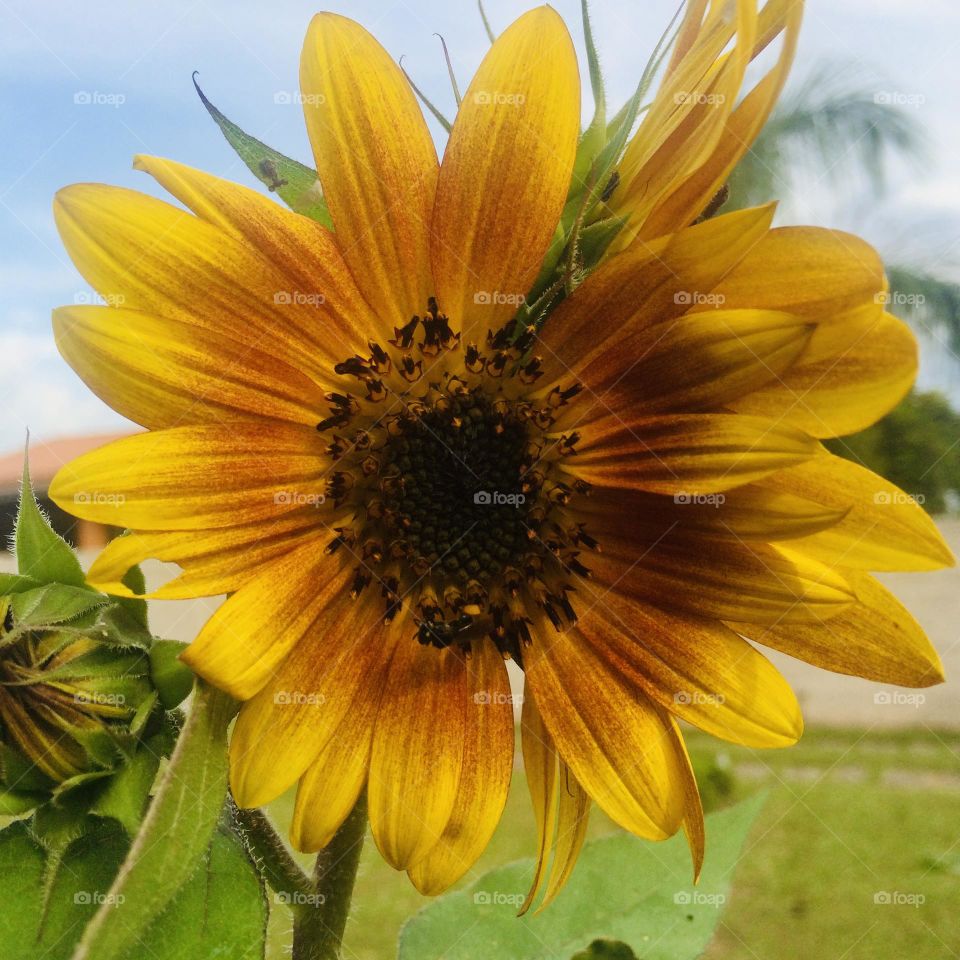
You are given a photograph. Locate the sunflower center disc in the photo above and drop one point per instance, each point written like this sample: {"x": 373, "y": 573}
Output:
{"x": 457, "y": 498}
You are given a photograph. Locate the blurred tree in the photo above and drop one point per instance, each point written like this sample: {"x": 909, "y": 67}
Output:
{"x": 917, "y": 447}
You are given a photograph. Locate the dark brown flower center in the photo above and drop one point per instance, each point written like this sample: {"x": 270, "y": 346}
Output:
{"x": 459, "y": 507}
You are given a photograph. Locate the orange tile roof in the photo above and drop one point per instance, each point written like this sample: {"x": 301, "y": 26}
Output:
{"x": 46, "y": 458}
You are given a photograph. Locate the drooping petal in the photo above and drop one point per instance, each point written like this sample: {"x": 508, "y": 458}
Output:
{"x": 686, "y": 453}
{"x": 540, "y": 767}
{"x": 696, "y": 668}
{"x": 875, "y": 638}
{"x": 884, "y": 527}
{"x": 376, "y": 161}
{"x": 192, "y": 478}
{"x": 418, "y": 751}
{"x": 332, "y": 784}
{"x": 693, "y": 825}
{"x": 249, "y": 636}
{"x": 506, "y": 173}
{"x": 609, "y": 736}
{"x": 161, "y": 372}
{"x": 301, "y": 248}
{"x": 485, "y": 780}
{"x": 281, "y": 731}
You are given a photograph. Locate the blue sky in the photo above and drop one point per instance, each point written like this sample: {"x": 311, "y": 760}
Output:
{"x": 133, "y": 61}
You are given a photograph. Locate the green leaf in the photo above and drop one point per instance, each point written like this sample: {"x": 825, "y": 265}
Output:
{"x": 171, "y": 676}
{"x": 175, "y": 834}
{"x": 46, "y": 898}
{"x": 623, "y": 889}
{"x": 41, "y": 552}
{"x": 220, "y": 912}
{"x": 297, "y": 185}
{"x": 52, "y": 604}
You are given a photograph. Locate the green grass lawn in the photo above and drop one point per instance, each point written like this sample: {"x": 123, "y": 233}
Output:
{"x": 850, "y": 816}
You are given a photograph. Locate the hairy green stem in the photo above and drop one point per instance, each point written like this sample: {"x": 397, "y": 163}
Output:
{"x": 319, "y": 922}
{"x": 273, "y": 856}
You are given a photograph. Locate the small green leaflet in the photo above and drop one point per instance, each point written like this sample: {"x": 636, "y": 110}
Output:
{"x": 41, "y": 553}
{"x": 297, "y": 185}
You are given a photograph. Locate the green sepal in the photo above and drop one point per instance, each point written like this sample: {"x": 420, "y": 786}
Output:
{"x": 136, "y": 607}
{"x": 53, "y": 604}
{"x": 41, "y": 552}
{"x": 56, "y": 825}
{"x": 126, "y": 794}
{"x": 297, "y": 185}
{"x": 13, "y": 803}
{"x": 172, "y": 678}
{"x": 596, "y": 239}
{"x": 20, "y": 775}
{"x": 14, "y": 583}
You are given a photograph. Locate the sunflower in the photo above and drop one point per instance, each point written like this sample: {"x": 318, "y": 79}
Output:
{"x": 406, "y": 468}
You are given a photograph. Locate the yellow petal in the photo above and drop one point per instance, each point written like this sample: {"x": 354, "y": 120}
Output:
{"x": 506, "y": 173}
{"x": 610, "y": 738}
{"x": 808, "y": 271}
{"x": 649, "y": 283}
{"x": 698, "y": 669}
{"x": 540, "y": 767}
{"x": 852, "y": 374}
{"x": 147, "y": 255}
{"x": 691, "y": 195}
{"x": 693, "y": 825}
{"x": 244, "y": 642}
{"x": 304, "y": 250}
{"x": 752, "y": 512}
{"x": 376, "y": 161}
{"x": 161, "y": 372}
{"x": 418, "y": 751}
{"x": 686, "y": 453}
{"x": 883, "y": 529}
{"x": 697, "y": 361}
{"x": 213, "y": 562}
{"x": 875, "y": 638}
{"x": 330, "y": 788}
{"x": 762, "y": 583}
{"x": 283, "y": 729}
{"x": 485, "y": 780}
{"x": 573, "y": 818}
{"x": 689, "y": 114}
{"x": 191, "y": 478}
